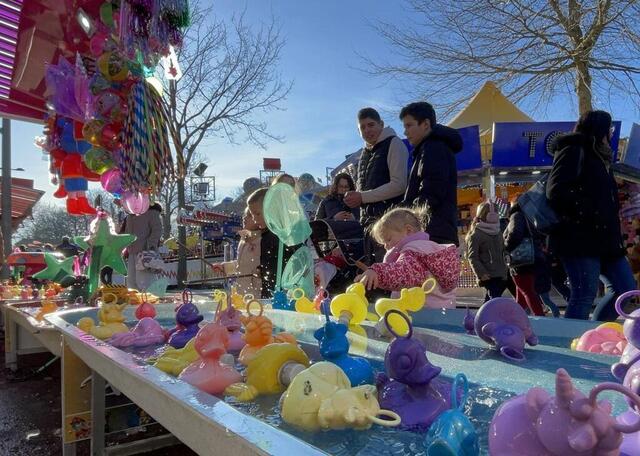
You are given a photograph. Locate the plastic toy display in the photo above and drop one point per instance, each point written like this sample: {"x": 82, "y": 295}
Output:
{"x": 146, "y": 332}
{"x": 411, "y": 299}
{"x": 350, "y": 307}
{"x": 334, "y": 347}
{"x": 175, "y": 360}
{"x": 187, "y": 326}
{"x": 48, "y": 306}
{"x": 607, "y": 339}
{"x": 110, "y": 320}
{"x": 501, "y": 322}
{"x": 567, "y": 424}
{"x": 207, "y": 373}
{"x": 258, "y": 333}
{"x": 409, "y": 385}
{"x": 321, "y": 398}
{"x": 452, "y": 434}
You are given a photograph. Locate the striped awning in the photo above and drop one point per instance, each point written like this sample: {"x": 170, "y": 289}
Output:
{"x": 23, "y": 198}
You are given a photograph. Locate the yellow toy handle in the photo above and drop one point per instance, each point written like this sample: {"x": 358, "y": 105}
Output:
{"x": 248, "y": 298}
{"x": 219, "y": 295}
{"x": 298, "y": 293}
{"x": 430, "y": 281}
{"x": 249, "y": 308}
{"x": 394, "y": 421}
{"x": 112, "y": 300}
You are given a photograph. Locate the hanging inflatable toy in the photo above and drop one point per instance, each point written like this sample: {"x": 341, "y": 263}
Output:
{"x": 410, "y": 386}
{"x": 207, "y": 372}
{"x": 452, "y": 434}
{"x": 567, "y": 424}
{"x": 334, "y": 347}
{"x": 321, "y": 398}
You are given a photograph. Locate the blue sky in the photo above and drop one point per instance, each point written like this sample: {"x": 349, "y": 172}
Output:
{"x": 323, "y": 40}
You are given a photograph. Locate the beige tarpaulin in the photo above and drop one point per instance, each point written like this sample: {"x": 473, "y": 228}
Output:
{"x": 487, "y": 106}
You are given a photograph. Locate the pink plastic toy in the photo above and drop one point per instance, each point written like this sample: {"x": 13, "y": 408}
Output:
{"x": 146, "y": 332}
{"x": 568, "y": 424}
{"x": 145, "y": 310}
{"x": 230, "y": 319}
{"x": 606, "y": 339}
{"x": 206, "y": 373}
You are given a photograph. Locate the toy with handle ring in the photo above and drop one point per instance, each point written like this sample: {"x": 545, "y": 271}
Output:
{"x": 302, "y": 303}
{"x": 410, "y": 299}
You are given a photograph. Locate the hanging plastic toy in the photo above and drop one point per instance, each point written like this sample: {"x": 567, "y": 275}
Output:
{"x": 452, "y": 434}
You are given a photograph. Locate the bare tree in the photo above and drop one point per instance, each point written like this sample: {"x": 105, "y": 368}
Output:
{"x": 49, "y": 223}
{"x": 534, "y": 49}
{"x": 229, "y": 78}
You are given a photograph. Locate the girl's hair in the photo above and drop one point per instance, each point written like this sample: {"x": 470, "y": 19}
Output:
{"x": 397, "y": 219}
{"x": 337, "y": 179}
{"x": 482, "y": 211}
{"x": 257, "y": 196}
{"x": 595, "y": 125}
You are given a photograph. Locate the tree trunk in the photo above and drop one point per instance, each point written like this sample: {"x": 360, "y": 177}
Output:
{"x": 182, "y": 236}
{"x": 583, "y": 87}
{"x": 166, "y": 224}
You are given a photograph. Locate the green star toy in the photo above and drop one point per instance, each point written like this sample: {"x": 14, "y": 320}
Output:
{"x": 56, "y": 270}
{"x": 106, "y": 249}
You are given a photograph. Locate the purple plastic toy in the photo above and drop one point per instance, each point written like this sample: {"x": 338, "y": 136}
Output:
{"x": 187, "y": 319}
{"x": 146, "y": 332}
{"x": 502, "y": 322}
{"x": 468, "y": 322}
{"x": 568, "y": 424}
{"x": 630, "y": 442}
{"x": 410, "y": 387}
{"x": 631, "y": 329}
{"x": 230, "y": 319}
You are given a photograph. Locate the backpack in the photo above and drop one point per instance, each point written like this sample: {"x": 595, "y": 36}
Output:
{"x": 535, "y": 205}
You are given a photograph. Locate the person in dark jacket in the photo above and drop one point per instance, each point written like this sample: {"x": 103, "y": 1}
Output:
{"x": 485, "y": 251}
{"x": 434, "y": 175}
{"x": 525, "y": 276}
{"x": 333, "y": 206}
{"x": 583, "y": 192}
{"x": 68, "y": 248}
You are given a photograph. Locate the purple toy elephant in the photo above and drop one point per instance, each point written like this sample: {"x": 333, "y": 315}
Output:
{"x": 502, "y": 322}
{"x": 567, "y": 424}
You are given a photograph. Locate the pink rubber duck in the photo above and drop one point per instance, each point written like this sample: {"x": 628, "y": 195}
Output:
{"x": 146, "y": 332}
{"x": 567, "y": 424}
{"x": 607, "y": 339}
{"x": 207, "y": 373}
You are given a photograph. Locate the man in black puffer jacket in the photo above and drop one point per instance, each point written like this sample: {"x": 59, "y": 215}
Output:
{"x": 434, "y": 174}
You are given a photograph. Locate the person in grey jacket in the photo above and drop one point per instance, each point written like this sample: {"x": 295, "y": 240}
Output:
{"x": 485, "y": 250}
{"x": 147, "y": 228}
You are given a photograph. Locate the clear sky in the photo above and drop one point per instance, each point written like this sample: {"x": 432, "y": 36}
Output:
{"x": 323, "y": 40}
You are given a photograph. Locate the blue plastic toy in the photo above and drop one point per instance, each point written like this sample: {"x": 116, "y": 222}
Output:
{"x": 279, "y": 301}
{"x": 334, "y": 347}
{"x": 452, "y": 434}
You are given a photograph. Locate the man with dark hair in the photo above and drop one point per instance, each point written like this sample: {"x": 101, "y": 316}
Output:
{"x": 382, "y": 169}
{"x": 434, "y": 175}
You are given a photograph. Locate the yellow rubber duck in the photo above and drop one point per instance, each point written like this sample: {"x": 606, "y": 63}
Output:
{"x": 270, "y": 371}
{"x": 174, "y": 360}
{"x": 110, "y": 319}
{"x": 47, "y": 307}
{"x": 351, "y": 307}
{"x": 303, "y": 304}
{"x": 411, "y": 299}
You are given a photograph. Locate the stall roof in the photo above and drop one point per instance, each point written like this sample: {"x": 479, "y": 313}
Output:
{"x": 23, "y": 198}
{"x": 32, "y": 34}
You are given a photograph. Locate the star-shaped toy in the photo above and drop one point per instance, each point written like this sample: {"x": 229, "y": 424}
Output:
{"x": 106, "y": 249}
{"x": 56, "y": 270}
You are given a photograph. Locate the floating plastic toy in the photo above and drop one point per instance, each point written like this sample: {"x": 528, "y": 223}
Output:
{"x": 187, "y": 319}
{"x": 468, "y": 323}
{"x": 321, "y": 398}
{"x": 230, "y": 318}
{"x": 110, "y": 319}
{"x": 145, "y": 309}
{"x": 175, "y": 360}
{"x": 280, "y": 301}
{"x": 48, "y": 307}
{"x": 270, "y": 371}
{"x": 452, "y": 434}
{"x": 350, "y": 307}
{"x": 146, "y": 332}
{"x": 258, "y": 333}
{"x": 607, "y": 339}
{"x": 409, "y": 386}
{"x": 334, "y": 347}
{"x": 207, "y": 373}
{"x": 411, "y": 299}
{"x": 501, "y": 322}
{"x": 302, "y": 303}
{"x": 567, "y": 424}
{"x": 631, "y": 330}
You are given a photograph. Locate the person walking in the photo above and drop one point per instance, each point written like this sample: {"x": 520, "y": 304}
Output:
{"x": 485, "y": 251}
{"x": 147, "y": 228}
{"x": 581, "y": 188}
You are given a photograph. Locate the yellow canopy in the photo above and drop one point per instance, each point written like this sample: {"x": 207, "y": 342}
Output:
{"x": 487, "y": 106}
